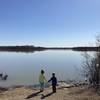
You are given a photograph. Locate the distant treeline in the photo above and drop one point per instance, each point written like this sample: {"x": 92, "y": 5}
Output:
{"x": 76, "y": 48}
{"x": 21, "y": 48}
{"x": 31, "y": 48}
{"x": 86, "y": 48}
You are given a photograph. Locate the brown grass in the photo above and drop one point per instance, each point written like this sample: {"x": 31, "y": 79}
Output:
{"x": 74, "y": 93}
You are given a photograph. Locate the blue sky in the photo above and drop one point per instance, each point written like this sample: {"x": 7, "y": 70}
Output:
{"x": 49, "y": 22}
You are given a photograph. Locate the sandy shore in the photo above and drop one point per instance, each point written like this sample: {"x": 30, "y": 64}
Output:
{"x": 63, "y": 93}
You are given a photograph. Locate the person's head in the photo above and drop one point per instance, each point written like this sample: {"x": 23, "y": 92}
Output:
{"x": 53, "y": 74}
{"x": 42, "y": 71}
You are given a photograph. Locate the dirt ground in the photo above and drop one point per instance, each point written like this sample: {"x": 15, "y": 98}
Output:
{"x": 63, "y": 93}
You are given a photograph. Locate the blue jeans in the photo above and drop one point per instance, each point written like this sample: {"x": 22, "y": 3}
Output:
{"x": 41, "y": 86}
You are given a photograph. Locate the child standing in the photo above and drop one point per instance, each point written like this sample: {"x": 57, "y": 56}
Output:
{"x": 54, "y": 82}
{"x": 42, "y": 80}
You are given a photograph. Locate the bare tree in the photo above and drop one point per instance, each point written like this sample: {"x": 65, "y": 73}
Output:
{"x": 91, "y": 66}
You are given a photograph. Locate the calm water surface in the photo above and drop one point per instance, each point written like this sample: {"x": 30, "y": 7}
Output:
{"x": 24, "y": 68}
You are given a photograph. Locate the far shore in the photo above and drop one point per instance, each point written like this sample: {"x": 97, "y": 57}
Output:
{"x": 31, "y": 48}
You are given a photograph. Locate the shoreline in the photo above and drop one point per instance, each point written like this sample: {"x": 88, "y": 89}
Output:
{"x": 64, "y": 92}
{"x": 61, "y": 84}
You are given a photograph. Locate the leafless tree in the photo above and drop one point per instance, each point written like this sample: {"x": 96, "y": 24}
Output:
{"x": 91, "y": 66}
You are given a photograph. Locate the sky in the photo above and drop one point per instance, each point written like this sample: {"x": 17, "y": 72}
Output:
{"x": 49, "y": 22}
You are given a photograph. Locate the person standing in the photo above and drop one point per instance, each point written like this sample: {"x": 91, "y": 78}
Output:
{"x": 54, "y": 82}
{"x": 42, "y": 80}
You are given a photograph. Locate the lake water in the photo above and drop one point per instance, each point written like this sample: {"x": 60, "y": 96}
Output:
{"x": 24, "y": 68}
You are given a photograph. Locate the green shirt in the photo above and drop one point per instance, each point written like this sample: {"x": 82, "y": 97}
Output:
{"x": 42, "y": 78}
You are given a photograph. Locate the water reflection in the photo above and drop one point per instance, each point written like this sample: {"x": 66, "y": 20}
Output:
{"x": 24, "y": 68}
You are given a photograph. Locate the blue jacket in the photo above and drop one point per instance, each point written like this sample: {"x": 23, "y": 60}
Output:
{"x": 54, "y": 81}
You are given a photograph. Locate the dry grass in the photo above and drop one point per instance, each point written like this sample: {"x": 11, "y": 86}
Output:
{"x": 74, "y": 93}
{"x": 83, "y": 93}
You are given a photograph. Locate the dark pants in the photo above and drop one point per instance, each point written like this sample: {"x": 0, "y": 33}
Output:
{"x": 54, "y": 88}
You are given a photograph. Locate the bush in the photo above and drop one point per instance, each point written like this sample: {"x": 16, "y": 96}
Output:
{"x": 91, "y": 67}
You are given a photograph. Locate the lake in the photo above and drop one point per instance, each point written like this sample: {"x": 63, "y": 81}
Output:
{"x": 24, "y": 68}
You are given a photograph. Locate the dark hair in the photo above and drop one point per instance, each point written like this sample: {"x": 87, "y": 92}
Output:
{"x": 53, "y": 74}
{"x": 42, "y": 71}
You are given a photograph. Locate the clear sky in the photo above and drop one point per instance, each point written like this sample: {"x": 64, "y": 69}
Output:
{"x": 49, "y": 22}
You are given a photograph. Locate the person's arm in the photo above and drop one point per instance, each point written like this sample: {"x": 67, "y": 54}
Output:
{"x": 50, "y": 79}
{"x": 45, "y": 79}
